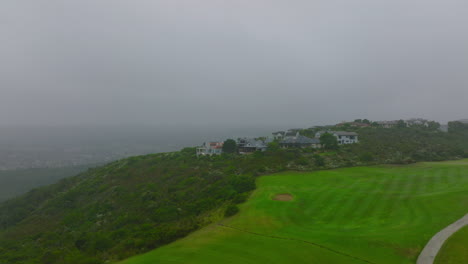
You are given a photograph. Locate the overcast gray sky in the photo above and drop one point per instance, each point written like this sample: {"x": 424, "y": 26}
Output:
{"x": 295, "y": 62}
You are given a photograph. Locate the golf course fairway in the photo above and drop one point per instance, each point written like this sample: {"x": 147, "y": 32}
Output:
{"x": 378, "y": 214}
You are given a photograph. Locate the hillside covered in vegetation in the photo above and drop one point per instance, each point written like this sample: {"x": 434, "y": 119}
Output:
{"x": 138, "y": 204}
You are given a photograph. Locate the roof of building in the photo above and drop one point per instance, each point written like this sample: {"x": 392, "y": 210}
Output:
{"x": 355, "y": 124}
{"x": 213, "y": 145}
{"x": 251, "y": 142}
{"x": 301, "y": 140}
{"x": 392, "y": 122}
{"x": 290, "y": 133}
{"x": 338, "y": 133}
{"x": 344, "y": 133}
{"x": 278, "y": 133}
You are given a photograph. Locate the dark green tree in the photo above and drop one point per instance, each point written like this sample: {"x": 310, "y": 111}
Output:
{"x": 457, "y": 127}
{"x": 329, "y": 141}
{"x": 401, "y": 124}
{"x": 230, "y": 146}
{"x": 433, "y": 125}
{"x": 231, "y": 210}
{"x": 273, "y": 146}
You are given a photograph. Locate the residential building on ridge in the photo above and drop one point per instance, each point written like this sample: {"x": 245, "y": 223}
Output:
{"x": 388, "y": 124}
{"x": 343, "y": 137}
{"x": 278, "y": 135}
{"x": 417, "y": 122}
{"x": 352, "y": 124}
{"x": 249, "y": 145}
{"x": 210, "y": 148}
{"x": 300, "y": 141}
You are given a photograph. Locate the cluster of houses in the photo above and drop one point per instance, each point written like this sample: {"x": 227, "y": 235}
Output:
{"x": 293, "y": 139}
{"x": 409, "y": 122}
{"x": 244, "y": 146}
{"x": 286, "y": 139}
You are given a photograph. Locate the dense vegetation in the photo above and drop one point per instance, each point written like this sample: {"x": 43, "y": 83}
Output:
{"x": 379, "y": 214}
{"x": 137, "y": 204}
{"x": 19, "y": 181}
{"x": 455, "y": 249}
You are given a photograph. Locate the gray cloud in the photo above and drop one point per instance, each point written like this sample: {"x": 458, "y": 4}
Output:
{"x": 293, "y": 63}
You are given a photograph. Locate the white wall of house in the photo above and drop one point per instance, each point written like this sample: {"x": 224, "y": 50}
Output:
{"x": 206, "y": 149}
{"x": 346, "y": 139}
{"x": 342, "y": 139}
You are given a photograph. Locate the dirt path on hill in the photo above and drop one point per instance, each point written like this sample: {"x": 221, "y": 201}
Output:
{"x": 431, "y": 249}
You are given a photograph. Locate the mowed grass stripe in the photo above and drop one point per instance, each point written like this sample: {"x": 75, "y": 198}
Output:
{"x": 424, "y": 212}
{"x": 356, "y": 194}
{"x": 324, "y": 201}
{"x": 392, "y": 198}
{"x": 361, "y": 211}
{"x": 432, "y": 180}
{"x": 302, "y": 241}
{"x": 378, "y": 199}
{"x": 403, "y": 204}
{"x": 412, "y": 207}
{"x": 338, "y": 202}
{"x": 360, "y": 201}
{"x": 311, "y": 209}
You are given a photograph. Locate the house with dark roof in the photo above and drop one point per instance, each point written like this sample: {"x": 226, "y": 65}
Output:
{"x": 290, "y": 134}
{"x": 299, "y": 141}
{"x": 249, "y": 145}
{"x": 286, "y": 134}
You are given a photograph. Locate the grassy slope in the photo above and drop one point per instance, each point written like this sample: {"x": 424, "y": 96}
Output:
{"x": 455, "y": 249}
{"x": 383, "y": 214}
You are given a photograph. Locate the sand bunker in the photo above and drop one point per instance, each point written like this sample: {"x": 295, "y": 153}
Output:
{"x": 283, "y": 197}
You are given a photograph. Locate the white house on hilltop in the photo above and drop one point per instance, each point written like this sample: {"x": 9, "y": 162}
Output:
{"x": 343, "y": 137}
{"x": 210, "y": 148}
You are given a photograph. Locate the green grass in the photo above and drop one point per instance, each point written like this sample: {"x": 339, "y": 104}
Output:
{"x": 455, "y": 249}
{"x": 381, "y": 214}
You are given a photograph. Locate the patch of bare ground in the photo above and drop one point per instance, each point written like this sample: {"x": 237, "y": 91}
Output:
{"x": 283, "y": 197}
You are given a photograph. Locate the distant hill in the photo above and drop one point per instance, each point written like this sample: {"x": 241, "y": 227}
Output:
{"x": 137, "y": 204}
{"x": 16, "y": 182}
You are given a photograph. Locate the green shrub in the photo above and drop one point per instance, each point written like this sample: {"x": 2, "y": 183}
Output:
{"x": 231, "y": 210}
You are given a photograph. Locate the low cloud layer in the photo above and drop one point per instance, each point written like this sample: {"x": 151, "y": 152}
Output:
{"x": 211, "y": 62}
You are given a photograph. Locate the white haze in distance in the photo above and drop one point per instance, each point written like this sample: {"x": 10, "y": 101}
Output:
{"x": 241, "y": 63}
